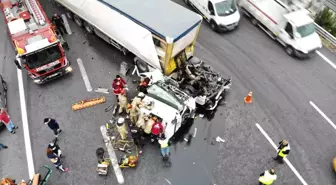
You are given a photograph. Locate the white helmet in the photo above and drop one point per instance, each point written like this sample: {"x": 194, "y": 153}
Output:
{"x": 141, "y": 95}
{"x": 121, "y": 120}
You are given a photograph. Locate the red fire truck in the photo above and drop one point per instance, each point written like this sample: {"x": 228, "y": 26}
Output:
{"x": 39, "y": 49}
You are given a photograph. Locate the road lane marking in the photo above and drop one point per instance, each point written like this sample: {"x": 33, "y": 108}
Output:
{"x": 326, "y": 59}
{"x": 168, "y": 181}
{"x": 112, "y": 155}
{"x": 285, "y": 159}
{"x": 25, "y": 125}
{"x": 84, "y": 75}
{"x": 323, "y": 115}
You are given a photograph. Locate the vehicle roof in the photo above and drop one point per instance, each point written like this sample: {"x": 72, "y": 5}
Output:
{"x": 299, "y": 18}
{"x": 161, "y": 17}
{"x": 26, "y": 32}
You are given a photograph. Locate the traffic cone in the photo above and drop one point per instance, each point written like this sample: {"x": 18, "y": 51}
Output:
{"x": 248, "y": 98}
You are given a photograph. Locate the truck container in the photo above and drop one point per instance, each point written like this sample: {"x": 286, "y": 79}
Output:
{"x": 37, "y": 45}
{"x": 288, "y": 24}
{"x": 161, "y": 33}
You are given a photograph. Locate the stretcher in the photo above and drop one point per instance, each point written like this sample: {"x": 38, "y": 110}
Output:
{"x": 41, "y": 177}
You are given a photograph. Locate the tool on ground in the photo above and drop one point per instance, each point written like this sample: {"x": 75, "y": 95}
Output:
{"x": 102, "y": 90}
{"x": 128, "y": 161}
{"x": 88, "y": 103}
{"x": 103, "y": 163}
{"x": 248, "y": 98}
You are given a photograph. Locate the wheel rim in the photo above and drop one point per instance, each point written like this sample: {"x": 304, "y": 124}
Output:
{"x": 88, "y": 28}
{"x": 254, "y": 22}
{"x": 212, "y": 26}
{"x": 289, "y": 50}
{"x": 78, "y": 21}
{"x": 68, "y": 14}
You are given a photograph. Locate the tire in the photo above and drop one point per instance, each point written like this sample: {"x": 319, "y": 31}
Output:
{"x": 69, "y": 15}
{"x": 142, "y": 66}
{"x": 213, "y": 25}
{"x": 78, "y": 21}
{"x": 289, "y": 50}
{"x": 88, "y": 27}
{"x": 254, "y": 21}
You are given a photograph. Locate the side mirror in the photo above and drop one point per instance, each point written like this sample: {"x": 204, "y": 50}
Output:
{"x": 17, "y": 64}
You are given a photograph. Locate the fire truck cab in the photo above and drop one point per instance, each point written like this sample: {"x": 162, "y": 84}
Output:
{"x": 37, "y": 46}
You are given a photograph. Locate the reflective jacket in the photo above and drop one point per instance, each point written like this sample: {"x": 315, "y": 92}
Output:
{"x": 267, "y": 178}
{"x": 283, "y": 150}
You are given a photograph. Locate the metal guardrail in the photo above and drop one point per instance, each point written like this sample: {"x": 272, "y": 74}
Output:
{"x": 326, "y": 35}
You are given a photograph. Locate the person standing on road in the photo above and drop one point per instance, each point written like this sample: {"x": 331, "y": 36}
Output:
{"x": 53, "y": 125}
{"x": 164, "y": 147}
{"x": 283, "y": 151}
{"x": 3, "y": 146}
{"x": 5, "y": 118}
{"x": 55, "y": 148}
{"x": 58, "y": 21}
{"x": 55, "y": 160}
{"x": 122, "y": 129}
{"x": 118, "y": 85}
{"x": 268, "y": 177}
{"x": 123, "y": 102}
{"x": 135, "y": 107}
{"x": 157, "y": 129}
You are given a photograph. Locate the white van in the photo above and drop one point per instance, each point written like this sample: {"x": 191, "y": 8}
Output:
{"x": 222, "y": 15}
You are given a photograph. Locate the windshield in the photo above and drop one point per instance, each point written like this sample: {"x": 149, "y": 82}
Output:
{"x": 42, "y": 57}
{"x": 226, "y": 7}
{"x": 306, "y": 30}
{"x": 160, "y": 94}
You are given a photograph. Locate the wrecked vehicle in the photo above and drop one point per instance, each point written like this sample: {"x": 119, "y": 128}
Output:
{"x": 195, "y": 78}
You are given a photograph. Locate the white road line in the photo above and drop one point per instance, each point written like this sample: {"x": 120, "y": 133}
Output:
{"x": 285, "y": 159}
{"x": 84, "y": 75}
{"x": 195, "y": 132}
{"x": 326, "y": 59}
{"x": 168, "y": 181}
{"x": 26, "y": 135}
{"x": 113, "y": 156}
{"x": 322, "y": 114}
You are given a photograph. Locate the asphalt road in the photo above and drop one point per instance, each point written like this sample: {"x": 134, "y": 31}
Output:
{"x": 282, "y": 89}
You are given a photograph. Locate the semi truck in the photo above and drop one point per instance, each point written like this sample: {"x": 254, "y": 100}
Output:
{"x": 37, "y": 46}
{"x": 160, "y": 33}
{"x": 222, "y": 15}
{"x": 288, "y": 24}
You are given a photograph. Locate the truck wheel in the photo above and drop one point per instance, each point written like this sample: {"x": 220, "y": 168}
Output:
{"x": 254, "y": 21}
{"x": 289, "y": 50}
{"x": 88, "y": 27}
{"x": 78, "y": 21}
{"x": 142, "y": 66}
{"x": 69, "y": 15}
{"x": 213, "y": 25}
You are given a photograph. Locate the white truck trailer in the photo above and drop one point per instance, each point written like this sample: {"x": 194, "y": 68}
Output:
{"x": 290, "y": 25}
{"x": 222, "y": 15}
{"x": 160, "y": 33}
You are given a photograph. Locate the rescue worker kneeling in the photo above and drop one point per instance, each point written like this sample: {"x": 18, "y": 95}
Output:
{"x": 268, "y": 177}
{"x": 123, "y": 103}
{"x": 122, "y": 129}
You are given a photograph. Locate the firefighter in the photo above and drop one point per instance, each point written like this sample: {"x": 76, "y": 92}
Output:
{"x": 123, "y": 102}
{"x": 122, "y": 129}
{"x": 118, "y": 85}
{"x": 135, "y": 109}
{"x": 268, "y": 177}
{"x": 143, "y": 85}
{"x": 58, "y": 21}
{"x": 149, "y": 125}
{"x": 143, "y": 117}
{"x": 283, "y": 151}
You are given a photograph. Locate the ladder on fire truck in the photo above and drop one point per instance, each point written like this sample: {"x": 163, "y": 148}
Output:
{"x": 34, "y": 9}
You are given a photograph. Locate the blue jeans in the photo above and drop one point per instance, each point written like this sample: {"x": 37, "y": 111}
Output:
{"x": 165, "y": 152}
{"x": 1, "y": 146}
{"x": 10, "y": 126}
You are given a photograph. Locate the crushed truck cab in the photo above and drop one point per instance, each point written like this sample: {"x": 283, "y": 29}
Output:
{"x": 170, "y": 104}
